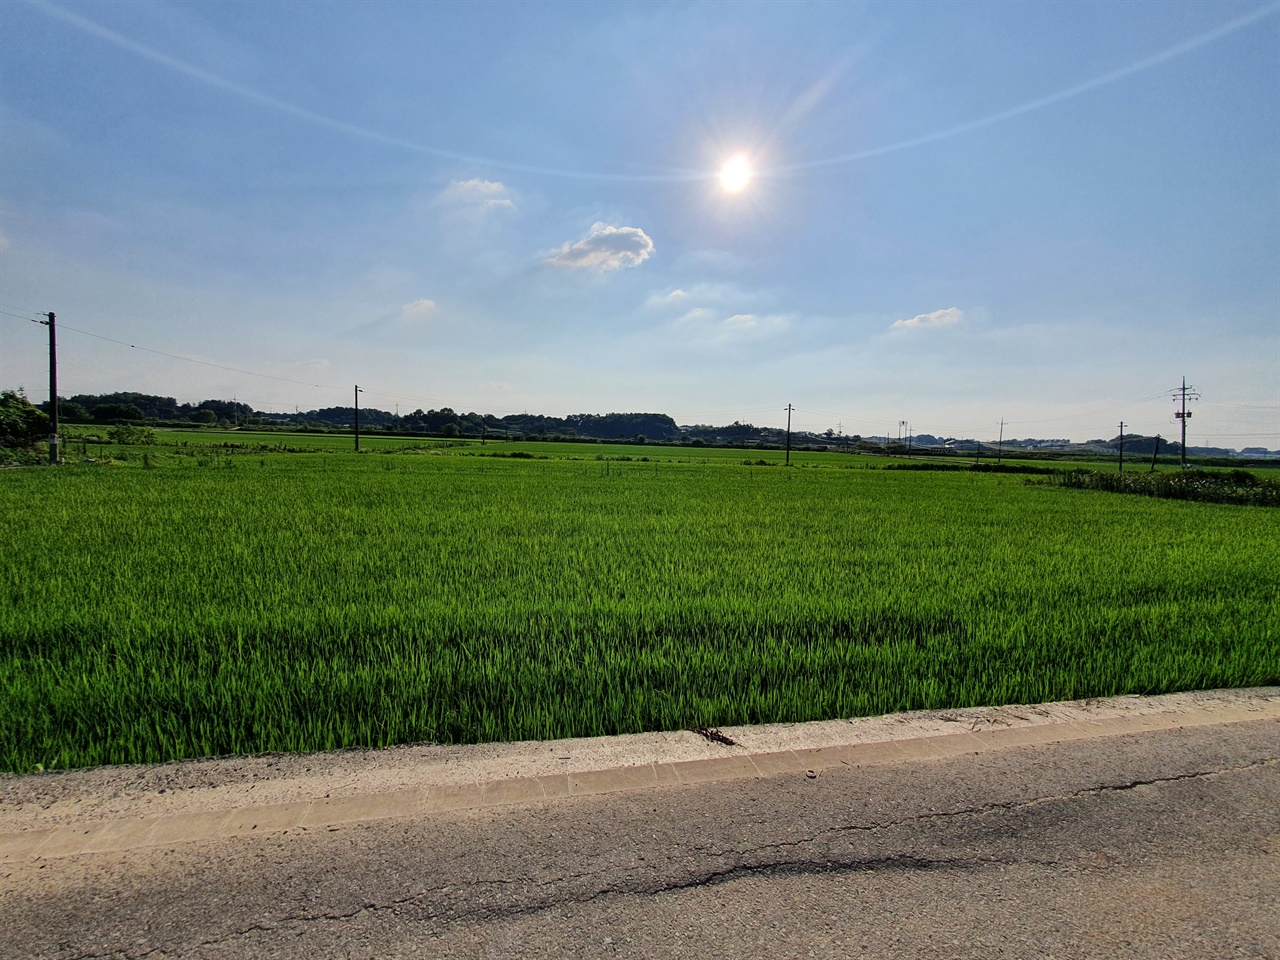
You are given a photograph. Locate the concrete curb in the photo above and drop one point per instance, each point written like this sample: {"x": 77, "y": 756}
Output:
{"x": 332, "y": 813}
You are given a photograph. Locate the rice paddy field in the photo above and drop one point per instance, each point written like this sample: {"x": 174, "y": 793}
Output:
{"x": 195, "y": 601}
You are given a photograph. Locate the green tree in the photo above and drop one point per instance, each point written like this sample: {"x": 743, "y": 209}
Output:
{"x": 21, "y": 424}
{"x": 71, "y": 412}
{"x": 117, "y": 411}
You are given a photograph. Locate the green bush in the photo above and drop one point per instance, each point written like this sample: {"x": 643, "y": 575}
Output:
{"x": 128, "y": 435}
{"x": 1234, "y": 487}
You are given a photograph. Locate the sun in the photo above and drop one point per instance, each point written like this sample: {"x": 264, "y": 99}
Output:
{"x": 736, "y": 173}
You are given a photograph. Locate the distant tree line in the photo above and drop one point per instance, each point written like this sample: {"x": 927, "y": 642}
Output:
{"x": 130, "y": 407}
{"x": 127, "y": 407}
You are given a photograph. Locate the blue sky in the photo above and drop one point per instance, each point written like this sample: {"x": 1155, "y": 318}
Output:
{"x": 961, "y": 212}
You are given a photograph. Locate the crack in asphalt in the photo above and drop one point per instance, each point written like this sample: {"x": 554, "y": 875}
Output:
{"x": 1004, "y": 806}
{"x": 764, "y": 866}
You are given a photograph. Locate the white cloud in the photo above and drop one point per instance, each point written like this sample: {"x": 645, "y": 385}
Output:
{"x": 705, "y": 326}
{"x": 477, "y": 195}
{"x": 723, "y": 296}
{"x": 605, "y": 248}
{"x": 750, "y": 327}
{"x": 677, "y": 298}
{"x": 697, "y": 315}
{"x": 417, "y": 312}
{"x": 715, "y": 315}
{"x": 939, "y": 318}
{"x": 741, "y": 322}
{"x": 476, "y": 188}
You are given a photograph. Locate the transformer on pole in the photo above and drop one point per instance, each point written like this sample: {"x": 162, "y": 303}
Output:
{"x": 1184, "y": 394}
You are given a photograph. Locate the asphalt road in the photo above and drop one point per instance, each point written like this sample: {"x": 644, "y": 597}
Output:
{"x": 1161, "y": 844}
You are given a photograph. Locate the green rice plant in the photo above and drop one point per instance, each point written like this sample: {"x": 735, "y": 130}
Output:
{"x": 308, "y": 602}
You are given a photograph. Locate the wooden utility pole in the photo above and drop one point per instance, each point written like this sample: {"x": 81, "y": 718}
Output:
{"x": 1155, "y": 453}
{"x": 1000, "y": 442}
{"x": 789, "y": 409}
{"x": 51, "y": 323}
{"x": 357, "y": 418}
{"x": 1122, "y": 446}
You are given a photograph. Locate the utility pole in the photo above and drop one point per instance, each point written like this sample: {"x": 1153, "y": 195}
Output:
{"x": 1184, "y": 414}
{"x": 1000, "y": 442}
{"x": 1122, "y": 446}
{"x": 789, "y": 409}
{"x": 51, "y": 323}
{"x": 908, "y": 439}
{"x": 358, "y": 392}
{"x": 1155, "y": 453}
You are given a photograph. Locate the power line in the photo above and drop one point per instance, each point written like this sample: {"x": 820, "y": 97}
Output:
{"x": 174, "y": 356}
{"x": 20, "y": 317}
{"x": 432, "y": 400}
{"x": 1092, "y": 412}
{"x": 221, "y": 366}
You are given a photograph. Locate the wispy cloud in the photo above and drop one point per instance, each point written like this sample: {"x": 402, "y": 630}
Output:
{"x": 674, "y": 299}
{"x": 939, "y": 318}
{"x": 417, "y": 312}
{"x": 708, "y": 327}
{"x": 724, "y": 296}
{"x": 718, "y": 315}
{"x": 605, "y": 248}
{"x": 411, "y": 317}
{"x": 476, "y": 194}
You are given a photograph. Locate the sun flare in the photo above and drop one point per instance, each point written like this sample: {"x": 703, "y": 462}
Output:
{"x": 736, "y": 173}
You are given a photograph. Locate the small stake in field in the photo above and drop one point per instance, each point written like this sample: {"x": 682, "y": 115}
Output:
{"x": 789, "y": 409}
{"x": 358, "y": 392}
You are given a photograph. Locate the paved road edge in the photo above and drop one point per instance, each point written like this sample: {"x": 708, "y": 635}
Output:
{"x": 330, "y": 813}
